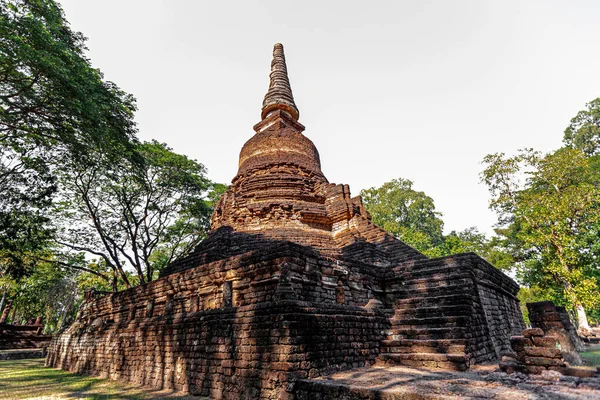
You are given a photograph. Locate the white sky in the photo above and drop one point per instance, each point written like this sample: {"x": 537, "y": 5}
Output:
{"x": 415, "y": 89}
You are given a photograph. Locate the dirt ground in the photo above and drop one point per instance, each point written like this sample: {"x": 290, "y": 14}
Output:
{"x": 482, "y": 382}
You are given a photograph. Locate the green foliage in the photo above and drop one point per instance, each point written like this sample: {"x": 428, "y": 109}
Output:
{"x": 140, "y": 214}
{"x": 548, "y": 206}
{"x": 49, "y": 91}
{"x": 583, "y": 132}
{"x": 26, "y": 186}
{"x": 406, "y": 213}
{"x": 54, "y": 106}
{"x": 469, "y": 240}
{"x": 49, "y": 292}
{"x": 411, "y": 216}
{"x": 531, "y": 295}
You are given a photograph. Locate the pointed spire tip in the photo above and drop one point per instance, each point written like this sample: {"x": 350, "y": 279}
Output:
{"x": 279, "y": 96}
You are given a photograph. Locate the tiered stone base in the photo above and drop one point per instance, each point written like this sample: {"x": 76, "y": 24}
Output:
{"x": 449, "y": 313}
{"x": 249, "y": 325}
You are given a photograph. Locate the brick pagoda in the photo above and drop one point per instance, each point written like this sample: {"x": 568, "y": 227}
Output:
{"x": 293, "y": 281}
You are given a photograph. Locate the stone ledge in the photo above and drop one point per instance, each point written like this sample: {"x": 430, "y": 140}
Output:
{"x": 20, "y": 354}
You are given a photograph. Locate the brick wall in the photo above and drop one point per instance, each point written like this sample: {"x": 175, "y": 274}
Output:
{"x": 247, "y": 352}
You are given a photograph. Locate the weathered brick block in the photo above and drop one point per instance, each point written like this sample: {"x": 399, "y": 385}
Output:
{"x": 532, "y": 332}
{"x": 542, "y": 352}
{"x": 518, "y": 343}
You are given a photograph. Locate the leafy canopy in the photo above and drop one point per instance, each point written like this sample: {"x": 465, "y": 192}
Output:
{"x": 404, "y": 212}
{"x": 141, "y": 214}
{"x": 583, "y": 132}
{"x": 50, "y": 94}
{"x": 54, "y": 106}
{"x": 410, "y": 215}
{"x": 549, "y": 207}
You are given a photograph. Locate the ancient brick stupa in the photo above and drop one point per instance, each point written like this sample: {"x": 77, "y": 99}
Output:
{"x": 294, "y": 281}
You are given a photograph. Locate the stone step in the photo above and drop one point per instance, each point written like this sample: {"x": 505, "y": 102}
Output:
{"x": 457, "y": 298}
{"x": 423, "y": 312}
{"x": 423, "y": 333}
{"x": 450, "y": 361}
{"x": 461, "y": 320}
{"x": 432, "y": 269}
{"x": 435, "y": 282}
{"x": 437, "y": 277}
{"x": 423, "y": 346}
{"x": 420, "y": 292}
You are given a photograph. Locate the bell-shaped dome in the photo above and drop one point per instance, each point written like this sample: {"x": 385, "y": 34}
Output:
{"x": 279, "y": 140}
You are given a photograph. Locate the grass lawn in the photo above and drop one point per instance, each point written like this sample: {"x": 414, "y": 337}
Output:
{"x": 592, "y": 355}
{"x": 29, "y": 379}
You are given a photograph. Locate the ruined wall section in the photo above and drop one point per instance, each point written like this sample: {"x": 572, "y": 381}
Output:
{"x": 22, "y": 337}
{"x": 555, "y": 321}
{"x": 246, "y": 325}
{"x": 249, "y": 352}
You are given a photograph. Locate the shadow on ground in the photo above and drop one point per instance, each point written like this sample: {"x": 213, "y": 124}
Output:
{"x": 483, "y": 382}
{"x": 29, "y": 379}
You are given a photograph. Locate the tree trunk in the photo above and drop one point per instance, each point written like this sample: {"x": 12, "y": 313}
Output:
{"x": 2, "y": 301}
{"x": 582, "y": 320}
{"x": 5, "y": 312}
{"x": 13, "y": 319}
{"x": 114, "y": 281}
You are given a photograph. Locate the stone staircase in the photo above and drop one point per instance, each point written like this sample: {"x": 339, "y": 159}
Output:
{"x": 431, "y": 318}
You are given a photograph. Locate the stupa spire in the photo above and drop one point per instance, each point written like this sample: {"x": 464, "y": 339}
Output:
{"x": 279, "y": 96}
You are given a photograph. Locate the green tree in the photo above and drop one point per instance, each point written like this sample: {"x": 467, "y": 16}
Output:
{"x": 50, "y": 292}
{"x": 583, "y": 132}
{"x": 54, "y": 106}
{"x": 7, "y": 283}
{"x": 50, "y": 94}
{"x": 548, "y": 206}
{"x": 408, "y": 214}
{"x": 471, "y": 240}
{"x": 139, "y": 215}
{"x": 411, "y": 216}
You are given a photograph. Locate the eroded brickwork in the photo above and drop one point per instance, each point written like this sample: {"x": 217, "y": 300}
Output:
{"x": 232, "y": 353}
{"x": 555, "y": 321}
{"x": 534, "y": 352}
